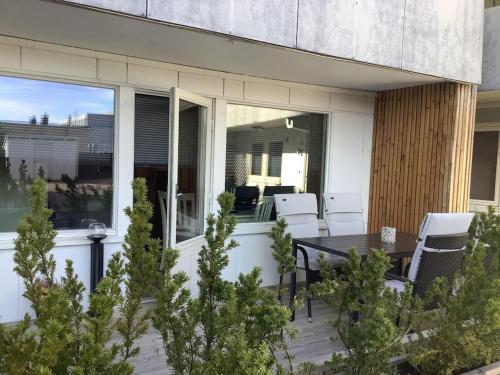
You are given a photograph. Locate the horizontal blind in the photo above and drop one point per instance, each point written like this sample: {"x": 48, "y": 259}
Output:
{"x": 275, "y": 158}
{"x": 151, "y": 130}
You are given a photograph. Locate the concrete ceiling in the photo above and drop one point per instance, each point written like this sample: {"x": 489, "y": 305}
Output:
{"x": 75, "y": 26}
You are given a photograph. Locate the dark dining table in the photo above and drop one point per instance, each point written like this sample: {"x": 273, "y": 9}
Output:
{"x": 340, "y": 245}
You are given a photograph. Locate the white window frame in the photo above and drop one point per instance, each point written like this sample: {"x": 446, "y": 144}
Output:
{"x": 204, "y": 163}
{"x": 77, "y": 235}
{"x": 480, "y": 205}
{"x": 265, "y": 227}
{"x": 207, "y": 149}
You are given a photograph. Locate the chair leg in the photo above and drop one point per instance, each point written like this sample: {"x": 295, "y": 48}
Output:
{"x": 309, "y": 310}
{"x": 306, "y": 266}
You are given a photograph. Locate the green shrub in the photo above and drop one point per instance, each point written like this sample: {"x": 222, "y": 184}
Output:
{"x": 366, "y": 313}
{"x": 282, "y": 252}
{"x": 228, "y": 328}
{"x": 465, "y": 330}
{"x": 63, "y": 338}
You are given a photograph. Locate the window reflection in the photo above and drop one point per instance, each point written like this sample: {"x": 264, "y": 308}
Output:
{"x": 64, "y": 134}
{"x": 491, "y": 3}
{"x": 271, "y": 151}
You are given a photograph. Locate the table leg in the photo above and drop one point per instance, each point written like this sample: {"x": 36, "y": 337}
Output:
{"x": 293, "y": 283}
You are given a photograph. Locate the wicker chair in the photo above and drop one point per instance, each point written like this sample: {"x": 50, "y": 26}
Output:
{"x": 439, "y": 253}
{"x": 442, "y": 256}
{"x": 438, "y": 224}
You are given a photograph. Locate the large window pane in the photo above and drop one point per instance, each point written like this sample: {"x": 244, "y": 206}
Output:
{"x": 272, "y": 151}
{"x": 63, "y": 133}
{"x": 484, "y": 165}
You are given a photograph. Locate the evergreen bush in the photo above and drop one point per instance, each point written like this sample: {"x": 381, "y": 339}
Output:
{"x": 63, "y": 339}
{"x": 228, "y": 328}
{"x": 367, "y": 313}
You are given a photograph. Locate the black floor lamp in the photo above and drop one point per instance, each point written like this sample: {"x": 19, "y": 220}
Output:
{"x": 96, "y": 233}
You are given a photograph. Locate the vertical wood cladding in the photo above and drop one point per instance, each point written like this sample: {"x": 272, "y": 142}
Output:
{"x": 422, "y": 154}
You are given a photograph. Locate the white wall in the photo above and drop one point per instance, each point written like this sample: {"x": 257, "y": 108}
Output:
{"x": 347, "y": 160}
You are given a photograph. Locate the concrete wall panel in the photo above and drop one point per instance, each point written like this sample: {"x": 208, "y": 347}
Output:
{"x": 114, "y": 71}
{"x": 272, "y": 21}
{"x": 266, "y": 93}
{"x": 233, "y": 89}
{"x": 202, "y": 84}
{"x": 348, "y": 102}
{"x": 58, "y": 63}
{"x": 491, "y": 51}
{"x": 369, "y": 31}
{"x": 151, "y": 76}
{"x": 10, "y": 56}
{"x": 136, "y": 7}
{"x": 444, "y": 38}
{"x": 310, "y": 98}
{"x": 441, "y": 38}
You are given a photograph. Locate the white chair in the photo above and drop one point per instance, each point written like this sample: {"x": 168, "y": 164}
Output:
{"x": 439, "y": 250}
{"x": 301, "y": 214}
{"x": 343, "y": 213}
{"x": 264, "y": 209}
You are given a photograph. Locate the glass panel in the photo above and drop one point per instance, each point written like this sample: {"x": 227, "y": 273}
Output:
{"x": 63, "y": 133}
{"x": 484, "y": 165}
{"x": 190, "y": 176}
{"x": 287, "y": 146}
{"x": 491, "y": 3}
{"x": 151, "y": 154}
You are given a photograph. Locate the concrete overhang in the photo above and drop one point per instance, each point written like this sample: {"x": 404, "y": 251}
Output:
{"x": 105, "y": 31}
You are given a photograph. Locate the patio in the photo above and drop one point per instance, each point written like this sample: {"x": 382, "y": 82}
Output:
{"x": 166, "y": 94}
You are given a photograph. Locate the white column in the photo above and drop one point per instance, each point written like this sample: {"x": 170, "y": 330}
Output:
{"x": 124, "y": 156}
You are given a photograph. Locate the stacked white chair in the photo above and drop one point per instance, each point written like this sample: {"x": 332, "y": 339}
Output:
{"x": 343, "y": 213}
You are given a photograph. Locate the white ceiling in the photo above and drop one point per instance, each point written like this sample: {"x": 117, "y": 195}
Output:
{"x": 80, "y": 27}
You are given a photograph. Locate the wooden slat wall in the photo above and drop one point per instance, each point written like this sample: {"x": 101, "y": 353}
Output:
{"x": 422, "y": 154}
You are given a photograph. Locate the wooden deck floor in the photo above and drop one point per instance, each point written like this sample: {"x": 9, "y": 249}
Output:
{"x": 312, "y": 344}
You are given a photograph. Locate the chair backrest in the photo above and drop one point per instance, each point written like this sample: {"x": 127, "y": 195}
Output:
{"x": 438, "y": 224}
{"x": 270, "y": 191}
{"x": 264, "y": 208}
{"x": 279, "y": 189}
{"x": 246, "y": 197}
{"x": 445, "y": 262}
{"x": 343, "y": 213}
{"x": 300, "y": 212}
